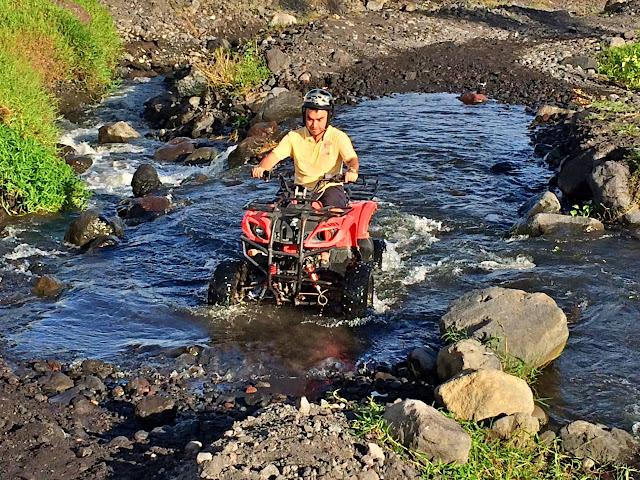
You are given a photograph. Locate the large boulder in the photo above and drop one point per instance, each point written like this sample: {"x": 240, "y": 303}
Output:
{"x": 424, "y": 360}
{"x": 464, "y": 355}
{"x": 156, "y": 410}
{"x": 546, "y": 203}
{"x": 177, "y": 149}
{"x": 137, "y": 210}
{"x": 484, "y": 394}
{"x": 528, "y": 326}
{"x": 195, "y": 84}
{"x": 546, "y": 223}
{"x": 119, "y": 132}
{"x": 90, "y": 225}
{"x": 266, "y": 130}
{"x": 145, "y": 180}
{"x": 282, "y": 18}
{"x": 277, "y": 61}
{"x": 574, "y": 173}
{"x": 421, "y": 427}
{"x": 609, "y": 183}
{"x": 598, "y": 442}
{"x": 247, "y": 150}
{"x": 279, "y": 108}
{"x": 520, "y": 426}
{"x": 201, "y": 156}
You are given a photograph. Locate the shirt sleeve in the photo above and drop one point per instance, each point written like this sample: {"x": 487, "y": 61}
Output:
{"x": 345, "y": 147}
{"x": 283, "y": 149}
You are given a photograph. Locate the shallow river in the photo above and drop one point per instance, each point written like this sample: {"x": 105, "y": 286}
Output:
{"x": 444, "y": 214}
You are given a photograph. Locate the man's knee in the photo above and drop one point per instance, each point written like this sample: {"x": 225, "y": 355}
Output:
{"x": 334, "y": 197}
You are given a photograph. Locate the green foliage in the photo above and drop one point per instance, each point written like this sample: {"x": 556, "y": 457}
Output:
{"x": 622, "y": 64}
{"x": 35, "y": 176}
{"x": 453, "y": 336}
{"x": 236, "y": 73}
{"x": 584, "y": 210}
{"x": 489, "y": 458}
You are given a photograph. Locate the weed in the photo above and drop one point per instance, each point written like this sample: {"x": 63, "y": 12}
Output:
{"x": 622, "y": 64}
{"x": 240, "y": 122}
{"x": 584, "y": 210}
{"x": 625, "y": 129}
{"x": 453, "y": 336}
{"x": 489, "y": 458}
{"x": 235, "y": 73}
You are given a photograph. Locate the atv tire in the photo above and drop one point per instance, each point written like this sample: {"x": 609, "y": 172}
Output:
{"x": 225, "y": 287}
{"x": 358, "y": 290}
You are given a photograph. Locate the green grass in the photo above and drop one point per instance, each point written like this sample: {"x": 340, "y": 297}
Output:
{"x": 622, "y": 64}
{"x": 236, "y": 73}
{"x": 43, "y": 46}
{"x": 489, "y": 458}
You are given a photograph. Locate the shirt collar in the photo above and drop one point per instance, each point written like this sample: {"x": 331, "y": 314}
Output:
{"x": 308, "y": 137}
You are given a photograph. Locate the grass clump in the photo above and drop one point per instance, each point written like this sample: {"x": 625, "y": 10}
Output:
{"x": 489, "y": 458}
{"x": 622, "y": 64}
{"x": 43, "y": 46}
{"x": 236, "y": 73}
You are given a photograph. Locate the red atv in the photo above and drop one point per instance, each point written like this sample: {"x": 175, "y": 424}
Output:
{"x": 283, "y": 244}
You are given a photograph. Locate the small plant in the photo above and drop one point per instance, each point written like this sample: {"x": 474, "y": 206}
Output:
{"x": 625, "y": 129}
{"x": 453, "y": 336}
{"x": 240, "y": 122}
{"x": 622, "y": 64}
{"x": 235, "y": 73}
{"x": 584, "y": 210}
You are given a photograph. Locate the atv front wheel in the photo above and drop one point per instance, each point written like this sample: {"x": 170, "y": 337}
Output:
{"x": 358, "y": 290}
{"x": 379, "y": 247}
{"x": 225, "y": 287}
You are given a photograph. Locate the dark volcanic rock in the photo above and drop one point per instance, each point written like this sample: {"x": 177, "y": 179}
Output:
{"x": 156, "y": 410}
{"x": 79, "y": 163}
{"x": 145, "y": 180}
{"x": 90, "y": 225}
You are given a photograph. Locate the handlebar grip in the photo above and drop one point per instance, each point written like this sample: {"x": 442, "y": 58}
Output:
{"x": 266, "y": 176}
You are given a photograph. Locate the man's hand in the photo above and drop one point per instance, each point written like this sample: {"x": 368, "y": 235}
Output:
{"x": 350, "y": 176}
{"x": 258, "y": 172}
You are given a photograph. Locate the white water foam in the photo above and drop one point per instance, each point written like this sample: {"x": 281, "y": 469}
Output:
{"x": 26, "y": 251}
{"x": 520, "y": 262}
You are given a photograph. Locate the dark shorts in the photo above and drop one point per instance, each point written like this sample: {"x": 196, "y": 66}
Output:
{"x": 334, "y": 197}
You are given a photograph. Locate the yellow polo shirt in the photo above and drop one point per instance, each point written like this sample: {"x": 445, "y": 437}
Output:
{"x": 313, "y": 159}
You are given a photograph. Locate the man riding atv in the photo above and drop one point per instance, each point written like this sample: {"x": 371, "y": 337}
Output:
{"x": 318, "y": 149}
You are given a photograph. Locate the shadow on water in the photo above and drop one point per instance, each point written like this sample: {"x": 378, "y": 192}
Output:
{"x": 452, "y": 179}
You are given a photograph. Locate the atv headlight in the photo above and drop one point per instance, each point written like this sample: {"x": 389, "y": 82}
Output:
{"x": 258, "y": 231}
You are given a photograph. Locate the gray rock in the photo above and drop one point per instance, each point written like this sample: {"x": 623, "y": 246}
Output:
{"x": 145, "y": 180}
{"x": 212, "y": 468}
{"x": 375, "y": 5}
{"x": 598, "y": 442}
{"x": 529, "y": 326}
{"x": 421, "y": 427}
{"x": 610, "y": 186}
{"x": 246, "y": 150}
{"x": 584, "y": 62}
{"x": 410, "y": 76}
{"x": 96, "y": 367}
{"x": 303, "y": 406}
{"x": 341, "y": 58}
{"x": 552, "y": 112}
{"x": 547, "y": 203}
{"x": 520, "y": 426}
{"x": 464, "y": 355}
{"x": 56, "y": 382}
{"x": 201, "y": 156}
{"x": 269, "y": 471}
{"x": 193, "y": 85}
{"x": 614, "y": 42}
{"x": 91, "y": 382}
{"x": 279, "y": 108}
{"x": 282, "y": 18}
{"x": 574, "y": 173}
{"x": 119, "y": 132}
{"x": 214, "y": 44}
{"x": 485, "y": 394}
{"x": 277, "y": 61}
{"x": 154, "y": 404}
{"x": 79, "y": 163}
{"x": 545, "y": 223}
{"x": 137, "y": 386}
{"x": 174, "y": 150}
{"x": 424, "y": 360}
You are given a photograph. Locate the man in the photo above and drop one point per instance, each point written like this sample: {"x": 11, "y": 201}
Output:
{"x": 317, "y": 149}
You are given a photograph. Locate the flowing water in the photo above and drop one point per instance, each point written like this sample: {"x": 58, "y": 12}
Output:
{"x": 444, "y": 213}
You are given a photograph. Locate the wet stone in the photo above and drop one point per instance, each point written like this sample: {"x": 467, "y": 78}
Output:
{"x": 56, "y": 382}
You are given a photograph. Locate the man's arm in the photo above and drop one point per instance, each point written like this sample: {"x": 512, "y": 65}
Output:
{"x": 351, "y": 175}
{"x": 265, "y": 165}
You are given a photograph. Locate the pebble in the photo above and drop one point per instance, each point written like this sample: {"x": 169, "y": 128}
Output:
{"x": 303, "y": 406}
{"x": 192, "y": 447}
{"x": 204, "y": 457}
{"x": 141, "y": 436}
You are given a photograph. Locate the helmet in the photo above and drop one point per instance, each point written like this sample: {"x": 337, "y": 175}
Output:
{"x": 318, "y": 99}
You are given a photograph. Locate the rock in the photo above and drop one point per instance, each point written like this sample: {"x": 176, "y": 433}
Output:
{"x": 201, "y": 156}
{"x": 90, "y": 225}
{"x": 375, "y": 452}
{"x": 204, "y": 457}
{"x": 473, "y": 98}
{"x": 47, "y": 287}
{"x": 119, "y": 132}
{"x": 547, "y": 437}
{"x": 279, "y": 108}
{"x": 545, "y": 223}
{"x": 91, "y": 382}
{"x": 614, "y": 42}
{"x": 464, "y": 355}
{"x": 137, "y": 386}
{"x": 584, "y": 62}
{"x": 304, "y": 77}
{"x": 485, "y": 394}
{"x": 174, "y": 150}
{"x": 547, "y": 203}
{"x": 145, "y": 180}
{"x": 521, "y": 426}
{"x": 610, "y": 186}
{"x": 96, "y": 367}
{"x": 121, "y": 442}
{"x": 195, "y": 84}
{"x": 277, "y": 61}
{"x": 410, "y": 76}
{"x": 409, "y": 7}
{"x": 341, "y": 58}
{"x": 282, "y": 18}
{"x": 246, "y": 150}
{"x": 540, "y": 415}
{"x": 156, "y": 410}
{"x": 630, "y": 35}
{"x": 79, "y": 163}
{"x": 424, "y": 360}
{"x": 303, "y": 406}
{"x": 531, "y": 324}
{"x": 270, "y": 471}
{"x": 56, "y": 382}
{"x": 214, "y": 44}
{"x": 192, "y": 448}
{"x": 212, "y": 469}
{"x": 598, "y": 442}
{"x": 421, "y": 427}
{"x": 265, "y": 130}
{"x": 375, "y": 5}
{"x": 551, "y": 112}
{"x": 574, "y": 174}
{"x": 141, "y": 436}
